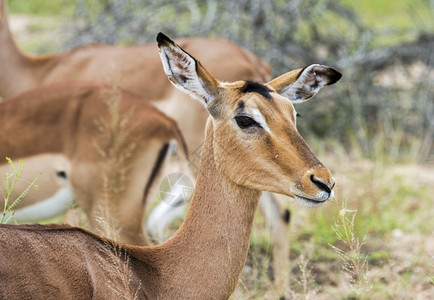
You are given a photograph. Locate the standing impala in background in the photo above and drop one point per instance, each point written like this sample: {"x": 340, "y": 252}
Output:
{"x": 104, "y": 146}
{"x": 251, "y": 144}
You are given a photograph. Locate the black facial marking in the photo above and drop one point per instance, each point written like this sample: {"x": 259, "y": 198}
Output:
{"x": 241, "y": 104}
{"x": 267, "y": 141}
{"x": 256, "y": 87}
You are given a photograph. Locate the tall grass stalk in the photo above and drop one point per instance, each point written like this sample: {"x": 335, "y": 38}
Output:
{"x": 354, "y": 263}
{"x": 114, "y": 155}
{"x": 9, "y": 182}
{"x": 118, "y": 267}
{"x": 114, "y": 174}
{"x": 305, "y": 280}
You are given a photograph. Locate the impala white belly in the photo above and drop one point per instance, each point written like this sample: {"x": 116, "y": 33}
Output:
{"x": 54, "y": 206}
{"x": 53, "y": 195}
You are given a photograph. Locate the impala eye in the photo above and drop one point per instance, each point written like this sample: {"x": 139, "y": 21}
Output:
{"x": 246, "y": 122}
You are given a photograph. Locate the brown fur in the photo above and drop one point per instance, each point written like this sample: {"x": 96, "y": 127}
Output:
{"x": 63, "y": 119}
{"x": 205, "y": 257}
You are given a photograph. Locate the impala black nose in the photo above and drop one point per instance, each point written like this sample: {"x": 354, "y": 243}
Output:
{"x": 321, "y": 184}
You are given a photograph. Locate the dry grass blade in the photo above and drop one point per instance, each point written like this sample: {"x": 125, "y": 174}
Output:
{"x": 115, "y": 171}
{"x": 353, "y": 262}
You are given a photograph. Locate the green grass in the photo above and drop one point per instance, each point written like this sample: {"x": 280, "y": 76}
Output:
{"x": 41, "y": 7}
{"x": 402, "y": 14}
{"x": 377, "y": 14}
{"x": 392, "y": 22}
{"x": 6, "y": 192}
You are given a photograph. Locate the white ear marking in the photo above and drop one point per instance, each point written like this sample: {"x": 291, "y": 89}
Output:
{"x": 180, "y": 68}
{"x": 309, "y": 82}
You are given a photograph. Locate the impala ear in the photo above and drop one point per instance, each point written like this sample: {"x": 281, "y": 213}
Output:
{"x": 302, "y": 84}
{"x": 185, "y": 72}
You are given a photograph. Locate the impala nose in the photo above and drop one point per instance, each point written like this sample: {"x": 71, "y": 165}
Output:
{"x": 322, "y": 185}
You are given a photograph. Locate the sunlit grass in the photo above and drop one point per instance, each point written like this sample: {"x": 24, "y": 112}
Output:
{"x": 402, "y": 14}
{"x": 8, "y": 185}
{"x": 41, "y": 7}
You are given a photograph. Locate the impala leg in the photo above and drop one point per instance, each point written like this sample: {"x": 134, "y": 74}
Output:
{"x": 277, "y": 218}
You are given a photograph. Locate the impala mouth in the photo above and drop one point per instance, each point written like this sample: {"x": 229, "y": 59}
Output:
{"x": 309, "y": 202}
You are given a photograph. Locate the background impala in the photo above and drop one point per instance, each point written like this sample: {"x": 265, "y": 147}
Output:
{"x": 96, "y": 144}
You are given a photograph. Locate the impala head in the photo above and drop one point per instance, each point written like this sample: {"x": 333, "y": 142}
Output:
{"x": 255, "y": 140}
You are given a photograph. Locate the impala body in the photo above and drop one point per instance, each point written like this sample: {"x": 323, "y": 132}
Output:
{"x": 106, "y": 147}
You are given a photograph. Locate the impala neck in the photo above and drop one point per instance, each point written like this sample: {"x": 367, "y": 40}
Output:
{"x": 15, "y": 72}
{"x": 206, "y": 256}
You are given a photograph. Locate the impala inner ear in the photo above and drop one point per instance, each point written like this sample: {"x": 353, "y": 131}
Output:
{"x": 186, "y": 73}
{"x": 302, "y": 84}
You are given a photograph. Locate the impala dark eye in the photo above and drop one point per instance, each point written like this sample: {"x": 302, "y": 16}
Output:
{"x": 246, "y": 122}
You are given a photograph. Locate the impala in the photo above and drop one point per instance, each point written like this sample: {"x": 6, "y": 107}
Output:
{"x": 137, "y": 66}
{"x": 251, "y": 144}
{"x": 102, "y": 145}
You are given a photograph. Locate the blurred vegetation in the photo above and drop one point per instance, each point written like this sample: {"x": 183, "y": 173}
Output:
{"x": 382, "y": 107}
{"x": 41, "y": 7}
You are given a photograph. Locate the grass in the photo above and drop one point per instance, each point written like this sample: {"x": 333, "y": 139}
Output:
{"x": 384, "y": 14}
{"x": 354, "y": 264}
{"x": 396, "y": 21}
{"x": 384, "y": 247}
{"x": 9, "y": 181}
{"x": 377, "y": 14}
{"x": 41, "y": 7}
